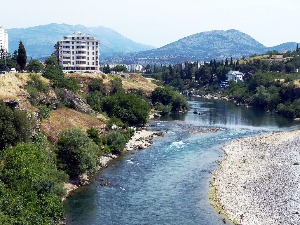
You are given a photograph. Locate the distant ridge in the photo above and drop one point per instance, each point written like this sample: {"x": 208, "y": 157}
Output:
{"x": 204, "y": 46}
{"x": 39, "y": 41}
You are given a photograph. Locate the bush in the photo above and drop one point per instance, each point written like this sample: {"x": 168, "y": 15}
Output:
{"x": 76, "y": 153}
{"x": 128, "y": 107}
{"x": 34, "y": 95}
{"x": 44, "y": 111}
{"x": 95, "y": 100}
{"x": 38, "y": 83}
{"x": 14, "y": 126}
{"x": 35, "y": 66}
{"x": 31, "y": 187}
{"x": 54, "y": 73}
{"x": 97, "y": 85}
{"x": 163, "y": 109}
{"x": 169, "y": 97}
{"x": 94, "y": 134}
{"x": 116, "y": 142}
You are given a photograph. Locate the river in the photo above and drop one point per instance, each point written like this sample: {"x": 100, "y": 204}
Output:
{"x": 168, "y": 183}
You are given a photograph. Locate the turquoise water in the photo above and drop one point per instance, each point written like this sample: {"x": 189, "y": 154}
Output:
{"x": 168, "y": 183}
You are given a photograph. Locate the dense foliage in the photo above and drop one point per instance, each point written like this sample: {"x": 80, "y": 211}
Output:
{"x": 55, "y": 74}
{"x": 30, "y": 186}
{"x": 131, "y": 109}
{"x": 76, "y": 153}
{"x": 14, "y": 126}
{"x": 8, "y": 61}
{"x": 168, "y": 100}
{"x": 115, "y": 142}
{"x": 35, "y": 66}
{"x": 269, "y": 83}
{"x": 269, "y": 91}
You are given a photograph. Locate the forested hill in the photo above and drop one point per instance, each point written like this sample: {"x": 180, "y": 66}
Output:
{"x": 40, "y": 40}
{"x": 205, "y": 46}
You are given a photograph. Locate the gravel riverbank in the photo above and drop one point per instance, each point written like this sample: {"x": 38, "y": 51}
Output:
{"x": 258, "y": 182}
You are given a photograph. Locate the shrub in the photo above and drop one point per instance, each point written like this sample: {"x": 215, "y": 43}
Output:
{"x": 97, "y": 85}
{"x": 76, "y": 153}
{"x": 95, "y": 100}
{"x": 116, "y": 142}
{"x": 44, "y": 111}
{"x": 54, "y": 73}
{"x": 94, "y": 134}
{"x": 31, "y": 187}
{"x": 169, "y": 97}
{"x": 128, "y": 107}
{"x": 38, "y": 83}
{"x": 163, "y": 109}
{"x": 14, "y": 126}
{"x": 34, "y": 95}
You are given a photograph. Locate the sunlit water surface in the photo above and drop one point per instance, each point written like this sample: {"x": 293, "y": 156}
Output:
{"x": 168, "y": 183}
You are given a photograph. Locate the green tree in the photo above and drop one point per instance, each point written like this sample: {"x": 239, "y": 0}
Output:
{"x": 130, "y": 108}
{"x": 97, "y": 85}
{"x": 35, "y": 66}
{"x": 106, "y": 69}
{"x": 54, "y": 72}
{"x": 119, "y": 68}
{"x": 169, "y": 97}
{"x": 116, "y": 142}
{"x": 22, "y": 56}
{"x": 14, "y": 126}
{"x": 76, "y": 153}
{"x": 31, "y": 187}
{"x": 95, "y": 100}
{"x": 116, "y": 85}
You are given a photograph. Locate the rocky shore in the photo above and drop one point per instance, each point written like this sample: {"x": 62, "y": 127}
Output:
{"x": 140, "y": 140}
{"x": 258, "y": 182}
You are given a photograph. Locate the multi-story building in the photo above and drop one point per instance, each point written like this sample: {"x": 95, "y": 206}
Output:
{"x": 3, "y": 40}
{"x": 78, "y": 52}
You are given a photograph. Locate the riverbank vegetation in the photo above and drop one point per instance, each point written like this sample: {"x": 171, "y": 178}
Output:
{"x": 271, "y": 81}
{"x": 55, "y": 127}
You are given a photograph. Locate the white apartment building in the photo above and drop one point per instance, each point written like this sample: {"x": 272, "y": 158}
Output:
{"x": 79, "y": 53}
{"x": 235, "y": 76}
{"x": 3, "y": 39}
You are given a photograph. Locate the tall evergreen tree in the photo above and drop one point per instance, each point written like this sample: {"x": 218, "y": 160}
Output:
{"x": 22, "y": 56}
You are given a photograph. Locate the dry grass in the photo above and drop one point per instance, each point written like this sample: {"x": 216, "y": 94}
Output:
{"x": 135, "y": 81}
{"x": 11, "y": 85}
{"x": 297, "y": 83}
{"x": 62, "y": 119}
{"x": 12, "y": 88}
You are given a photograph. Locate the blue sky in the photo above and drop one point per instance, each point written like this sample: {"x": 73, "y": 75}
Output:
{"x": 159, "y": 22}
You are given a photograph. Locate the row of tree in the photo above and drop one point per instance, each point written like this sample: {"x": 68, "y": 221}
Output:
{"x": 191, "y": 75}
{"x": 268, "y": 84}
{"x": 17, "y": 60}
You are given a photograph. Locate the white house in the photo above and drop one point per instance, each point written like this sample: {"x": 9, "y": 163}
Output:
{"x": 78, "y": 52}
{"x": 3, "y": 40}
{"x": 235, "y": 76}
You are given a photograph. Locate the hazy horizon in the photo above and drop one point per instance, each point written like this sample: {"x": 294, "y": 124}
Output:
{"x": 159, "y": 23}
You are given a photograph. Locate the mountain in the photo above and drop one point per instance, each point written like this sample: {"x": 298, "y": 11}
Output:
{"x": 217, "y": 44}
{"x": 39, "y": 41}
{"x": 291, "y": 46}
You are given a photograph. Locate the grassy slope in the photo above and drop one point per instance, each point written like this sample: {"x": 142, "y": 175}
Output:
{"x": 12, "y": 88}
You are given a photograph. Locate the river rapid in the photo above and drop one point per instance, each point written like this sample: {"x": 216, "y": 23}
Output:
{"x": 168, "y": 183}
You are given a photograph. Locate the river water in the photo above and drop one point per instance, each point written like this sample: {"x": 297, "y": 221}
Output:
{"x": 168, "y": 183}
